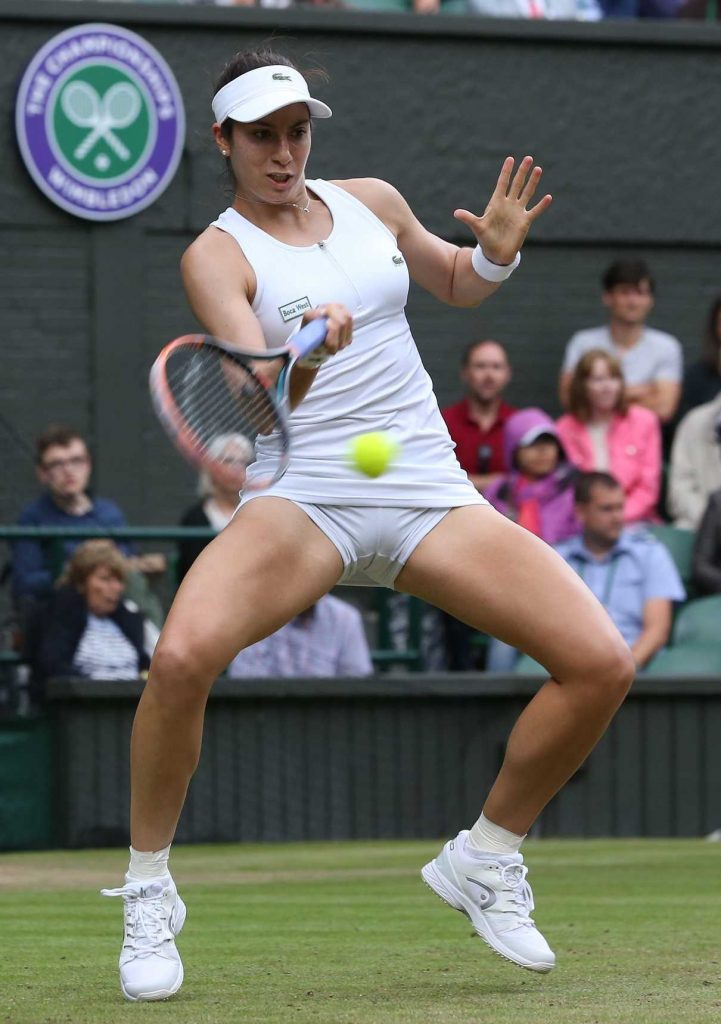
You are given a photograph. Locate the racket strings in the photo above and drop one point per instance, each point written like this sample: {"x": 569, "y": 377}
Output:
{"x": 218, "y": 398}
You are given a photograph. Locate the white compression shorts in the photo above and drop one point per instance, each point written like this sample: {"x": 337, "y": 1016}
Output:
{"x": 374, "y": 542}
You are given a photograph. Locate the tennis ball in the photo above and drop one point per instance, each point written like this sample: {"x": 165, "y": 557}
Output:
{"x": 372, "y": 453}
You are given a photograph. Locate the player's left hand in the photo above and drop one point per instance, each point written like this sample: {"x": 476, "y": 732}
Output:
{"x": 502, "y": 229}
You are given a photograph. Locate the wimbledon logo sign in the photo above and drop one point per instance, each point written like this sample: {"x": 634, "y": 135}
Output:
{"x": 100, "y": 122}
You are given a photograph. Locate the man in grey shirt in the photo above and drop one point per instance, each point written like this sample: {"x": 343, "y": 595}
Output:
{"x": 651, "y": 360}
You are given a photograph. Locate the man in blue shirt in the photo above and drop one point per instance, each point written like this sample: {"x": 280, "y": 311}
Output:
{"x": 327, "y": 639}
{"x": 63, "y": 468}
{"x": 629, "y": 571}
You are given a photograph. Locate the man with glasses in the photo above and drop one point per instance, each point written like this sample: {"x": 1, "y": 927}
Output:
{"x": 63, "y": 467}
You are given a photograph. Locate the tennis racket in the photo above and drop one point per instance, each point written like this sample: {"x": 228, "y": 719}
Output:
{"x": 214, "y": 401}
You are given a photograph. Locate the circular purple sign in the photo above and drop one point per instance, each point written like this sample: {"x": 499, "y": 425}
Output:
{"x": 100, "y": 122}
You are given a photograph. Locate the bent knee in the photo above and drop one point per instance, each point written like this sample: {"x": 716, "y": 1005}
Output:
{"x": 610, "y": 669}
{"x": 604, "y": 665}
{"x": 178, "y": 673}
{"x": 617, "y": 670}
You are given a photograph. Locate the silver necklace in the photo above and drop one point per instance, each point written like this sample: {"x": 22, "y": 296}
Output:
{"x": 247, "y": 199}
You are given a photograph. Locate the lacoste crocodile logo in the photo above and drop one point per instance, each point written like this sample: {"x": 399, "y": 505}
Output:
{"x": 277, "y": 77}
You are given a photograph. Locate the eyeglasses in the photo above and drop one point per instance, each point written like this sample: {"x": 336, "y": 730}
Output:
{"x": 74, "y": 462}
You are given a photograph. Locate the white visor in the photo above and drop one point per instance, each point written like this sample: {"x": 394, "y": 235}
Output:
{"x": 257, "y": 93}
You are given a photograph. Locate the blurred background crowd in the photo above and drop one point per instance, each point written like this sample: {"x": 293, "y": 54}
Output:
{"x": 573, "y": 10}
{"x": 626, "y": 484}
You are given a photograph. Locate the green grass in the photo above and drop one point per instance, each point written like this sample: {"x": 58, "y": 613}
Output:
{"x": 347, "y": 933}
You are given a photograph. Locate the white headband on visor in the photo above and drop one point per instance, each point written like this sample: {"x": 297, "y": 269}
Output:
{"x": 260, "y": 92}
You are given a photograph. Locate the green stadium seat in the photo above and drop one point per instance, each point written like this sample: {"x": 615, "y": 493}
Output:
{"x": 687, "y": 660}
{"x": 680, "y": 546}
{"x": 379, "y": 5}
{"x": 699, "y": 622}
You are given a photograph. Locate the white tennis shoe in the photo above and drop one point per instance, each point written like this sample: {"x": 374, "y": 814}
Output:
{"x": 493, "y": 893}
{"x": 150, "y": 965}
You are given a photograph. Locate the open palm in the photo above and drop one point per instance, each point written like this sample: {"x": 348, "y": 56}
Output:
{"x": 502, "y": 229}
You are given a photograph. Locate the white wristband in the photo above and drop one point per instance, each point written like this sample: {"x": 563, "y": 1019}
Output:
{"x": 492, "y": 271}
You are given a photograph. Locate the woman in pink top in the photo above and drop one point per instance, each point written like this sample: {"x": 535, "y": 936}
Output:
{"x": 602, "y": 432}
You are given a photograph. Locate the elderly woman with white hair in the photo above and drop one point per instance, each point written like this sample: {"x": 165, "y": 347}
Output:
{"x": 218, "y": 500}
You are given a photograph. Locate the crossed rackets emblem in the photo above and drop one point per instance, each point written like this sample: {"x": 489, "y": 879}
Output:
{"x": 85, "y": 108}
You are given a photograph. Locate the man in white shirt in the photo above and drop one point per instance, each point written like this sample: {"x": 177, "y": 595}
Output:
{"x": 651, "y": 360}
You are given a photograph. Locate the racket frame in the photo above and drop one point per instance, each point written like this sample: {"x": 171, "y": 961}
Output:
{"x": 179, "y": 430}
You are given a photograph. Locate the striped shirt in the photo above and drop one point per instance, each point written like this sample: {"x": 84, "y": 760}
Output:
{"x": 104, "y": 651}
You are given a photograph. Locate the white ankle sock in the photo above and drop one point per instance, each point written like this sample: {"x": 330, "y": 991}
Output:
{"x": 147, "y": 865}
{"x": 492, "y": 838}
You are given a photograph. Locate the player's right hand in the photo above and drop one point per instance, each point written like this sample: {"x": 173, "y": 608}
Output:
{"x": 340, "y": 325}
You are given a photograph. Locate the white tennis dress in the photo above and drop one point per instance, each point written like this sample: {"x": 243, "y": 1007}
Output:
{"x": 377, "y": 383}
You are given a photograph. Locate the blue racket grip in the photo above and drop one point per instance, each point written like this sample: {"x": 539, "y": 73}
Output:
{"x": 309, "y": 337}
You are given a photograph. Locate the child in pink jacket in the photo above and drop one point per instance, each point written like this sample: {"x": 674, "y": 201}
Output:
{"x": 602, "y": 432}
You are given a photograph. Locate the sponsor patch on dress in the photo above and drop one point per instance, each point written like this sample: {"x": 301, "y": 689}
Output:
{"x": 291, "y": 310}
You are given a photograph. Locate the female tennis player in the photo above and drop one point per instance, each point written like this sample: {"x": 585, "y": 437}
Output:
{"x": 287, "y": 250}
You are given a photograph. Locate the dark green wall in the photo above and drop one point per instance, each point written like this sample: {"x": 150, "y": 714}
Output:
{"x": 624, "y": 118}
{"x": 388, "y": 757}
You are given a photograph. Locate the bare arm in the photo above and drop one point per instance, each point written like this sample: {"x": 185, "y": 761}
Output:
{"x": 150, "y": 562}
{"x": 442, "y": 268}
{"x": 220, "y": 285}
{"x": 564, "y": 387}
{"x": 661, "y": 397}
{"x": 656, "y": 630}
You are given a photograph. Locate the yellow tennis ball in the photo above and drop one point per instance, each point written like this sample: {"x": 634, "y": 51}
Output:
{"x": 372, "y": 453}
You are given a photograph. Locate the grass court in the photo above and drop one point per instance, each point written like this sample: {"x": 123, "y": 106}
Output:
{"x": 347, "y": 933}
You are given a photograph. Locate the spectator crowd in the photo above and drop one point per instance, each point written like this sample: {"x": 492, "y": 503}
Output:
{"x": 557, "y": 10}
{"x": 595, "y": 483}
{"x": 625, "y": 484}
